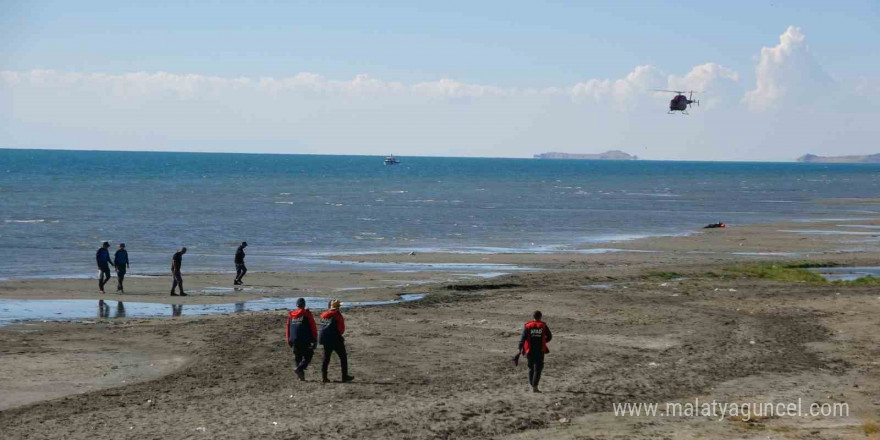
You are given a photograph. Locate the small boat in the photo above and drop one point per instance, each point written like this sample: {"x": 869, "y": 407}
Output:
{"x": 391, "y": 160}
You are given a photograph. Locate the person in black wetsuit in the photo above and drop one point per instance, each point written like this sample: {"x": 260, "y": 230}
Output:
{"x": 176, "y": 262}
{"x": 102, "y": 257}
{"x": 533, "y": 344}
{"x": 120, "y": 261}
{"x": 240, "y": 268}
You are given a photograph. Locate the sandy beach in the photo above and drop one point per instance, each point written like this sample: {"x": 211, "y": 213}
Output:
{"x": 655, "y": 320}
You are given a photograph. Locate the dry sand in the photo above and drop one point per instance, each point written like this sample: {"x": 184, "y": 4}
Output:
{"x": 440, "y": 368}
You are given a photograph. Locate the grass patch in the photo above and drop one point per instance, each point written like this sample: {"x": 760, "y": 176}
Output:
{"x": 870, "y": 428}
{"x": 863, "y": 281}
{"x": 781, "y": 273}
{"x": 798, "y": 273}
{"x": 665, "y": 275}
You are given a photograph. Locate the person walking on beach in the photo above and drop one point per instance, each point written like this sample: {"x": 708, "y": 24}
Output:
{"x": 120, "y": 261}
{"x": 176, "y": 262}
{"x": 330, "y": 336}
{"x": 102, "y": 257}
{"x": 302, "y": 336}
{"x": 240, "y": 268}
{"x": 535, "y": 336}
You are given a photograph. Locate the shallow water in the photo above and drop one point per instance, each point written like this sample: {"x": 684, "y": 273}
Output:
{"x": 20, "y": 310}
{"x": 56, "y": 205}
{"x": 847, "y": 273}
{"x": 404, "y": 267}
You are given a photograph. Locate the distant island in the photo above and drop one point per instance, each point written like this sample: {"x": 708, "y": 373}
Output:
{"x": 608, "y": 155}
{"x": 812, "y": 158}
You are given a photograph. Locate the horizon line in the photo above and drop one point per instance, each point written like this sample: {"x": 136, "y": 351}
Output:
{"x": 640, "y": 159}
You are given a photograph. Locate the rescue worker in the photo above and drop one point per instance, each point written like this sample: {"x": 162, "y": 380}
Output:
{"x": 176, "y": 262}
{"x": 330, "y": 336}
{"x": 102, "y": 257}
{"x": 302, "y": 336}
{"x": 120, "y": 261}
{"x": 533, "y": 344}
{"x": 240, "y": 268}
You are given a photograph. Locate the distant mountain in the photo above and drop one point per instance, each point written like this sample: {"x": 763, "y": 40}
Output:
{"x": 812, "y": 158}
{"x": 608, "y": 155}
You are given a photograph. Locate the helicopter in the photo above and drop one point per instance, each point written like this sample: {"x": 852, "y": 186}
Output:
{"x": 680, "y": 102}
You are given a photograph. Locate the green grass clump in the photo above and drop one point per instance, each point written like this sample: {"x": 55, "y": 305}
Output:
{"x": 780, "y": 273}
{"x": 863, "y": 281}
{"x": 665, "y": 275}
{"x": 797, "y": 273}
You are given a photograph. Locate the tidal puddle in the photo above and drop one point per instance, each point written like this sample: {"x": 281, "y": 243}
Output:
{"x": 597, "y": 286}
{"x": 483, "y": 275}
{"x": 847, "y": 273}
{"x": 20, "y": 310}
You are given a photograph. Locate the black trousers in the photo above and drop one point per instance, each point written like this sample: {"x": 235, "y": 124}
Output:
{"x": 536, "y": 366}
{"x": 120, "y": 275}
{"x": 178, "y": 281}
{"x": 103, "y": 276}
{"x": 240, "y": 270}
{"x": 339, "y": 348}
{"x": 302, "y": 355}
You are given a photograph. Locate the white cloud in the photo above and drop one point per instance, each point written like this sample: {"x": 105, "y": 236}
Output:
{"x": 454, "y": 89}
{"x": 621, "y": 92}
{"x": 786, "y": 74}
{"x": 712, "y": 80}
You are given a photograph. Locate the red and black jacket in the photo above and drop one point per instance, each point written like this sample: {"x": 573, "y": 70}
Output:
{"x": 535, "y": 334}
{"x": 332, "y": 328}
{"x": 301, "y": 328}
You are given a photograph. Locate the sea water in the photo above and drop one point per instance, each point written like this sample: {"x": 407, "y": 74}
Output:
{"x": 56, "y": 207}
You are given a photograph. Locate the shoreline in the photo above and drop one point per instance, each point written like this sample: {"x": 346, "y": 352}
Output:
{"x": 707, "y": 330}
{"x": 618, "y": 242}
{"x": 383, "y": 275}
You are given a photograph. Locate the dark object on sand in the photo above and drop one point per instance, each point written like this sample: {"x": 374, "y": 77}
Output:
{"x": 515, "y": 359}
{"x": 715, "y": 225}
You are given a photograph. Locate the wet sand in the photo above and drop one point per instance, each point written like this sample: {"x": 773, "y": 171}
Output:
{"x": 440, "y": 368}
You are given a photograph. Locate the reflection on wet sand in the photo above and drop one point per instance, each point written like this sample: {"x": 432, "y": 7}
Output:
{"x": 104, "y": 310}
{"x": 19, "y": 310}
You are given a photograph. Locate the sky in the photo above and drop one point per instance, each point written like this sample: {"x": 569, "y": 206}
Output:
{"x": 492, "y": 79}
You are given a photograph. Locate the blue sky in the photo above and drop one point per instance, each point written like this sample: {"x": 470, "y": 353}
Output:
{"x": 507, "y": 48}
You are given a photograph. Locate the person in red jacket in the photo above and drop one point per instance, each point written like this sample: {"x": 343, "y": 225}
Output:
{"x": 330, "y": 336}
{"x": 533, "y": 344}
{"x": 302, "y": 336}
